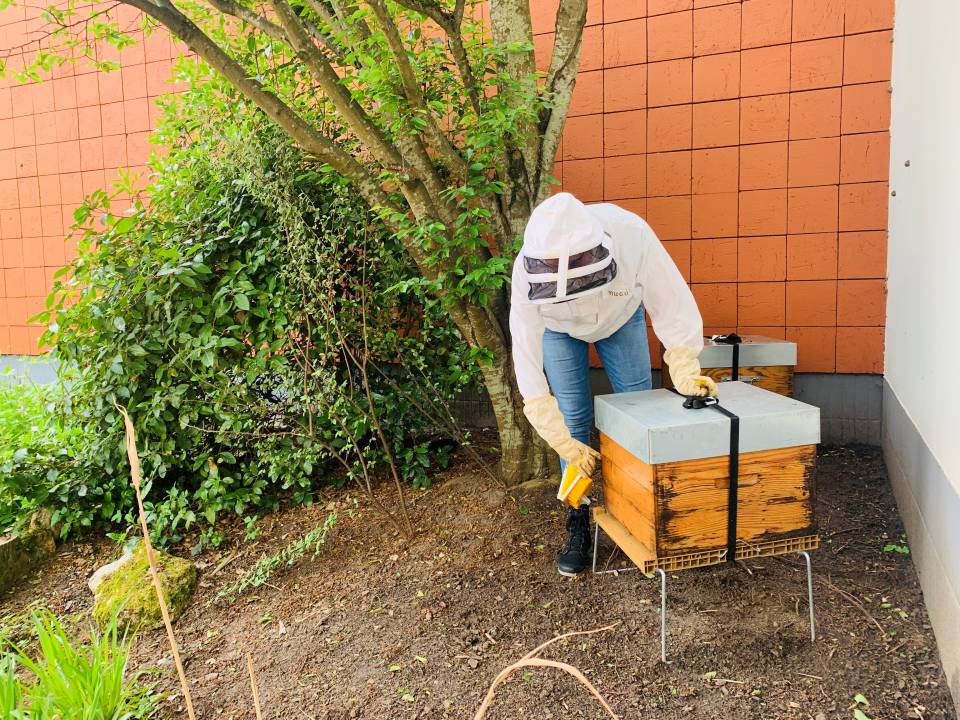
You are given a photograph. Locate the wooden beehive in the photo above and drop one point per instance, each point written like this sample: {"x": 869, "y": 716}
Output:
{"x": 666, "y": 476}
{"x": 765, "y": 362}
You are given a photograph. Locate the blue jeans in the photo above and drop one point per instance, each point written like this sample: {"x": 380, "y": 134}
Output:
{"x": 626, "y": 360}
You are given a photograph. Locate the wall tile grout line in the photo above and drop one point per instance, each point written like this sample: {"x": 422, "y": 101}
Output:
{"x": 786, "y": 255}
{"x": 693, "y": 14}
{"x": 843, "y": 51}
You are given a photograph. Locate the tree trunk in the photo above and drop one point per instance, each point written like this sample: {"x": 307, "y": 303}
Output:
{"x": 523, "y": 455}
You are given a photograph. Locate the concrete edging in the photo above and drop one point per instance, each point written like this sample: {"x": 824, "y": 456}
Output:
{"x": 929, "y": 505}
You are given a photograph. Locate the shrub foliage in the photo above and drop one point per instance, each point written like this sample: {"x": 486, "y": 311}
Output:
{"x": 258, "y": 324}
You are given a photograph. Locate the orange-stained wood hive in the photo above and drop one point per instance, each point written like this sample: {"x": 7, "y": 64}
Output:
{"x": 681, "y": 507}
{"x": 667, "y": 507}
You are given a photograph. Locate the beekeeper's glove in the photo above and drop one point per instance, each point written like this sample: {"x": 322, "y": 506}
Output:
{"x": 544, "y": 414}
{"x": 684, "y": 366}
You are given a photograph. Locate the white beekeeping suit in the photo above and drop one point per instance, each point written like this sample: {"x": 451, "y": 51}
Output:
{"x": 584, "y": 271}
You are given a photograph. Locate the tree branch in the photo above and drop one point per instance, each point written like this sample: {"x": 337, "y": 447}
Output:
{"x": 228, "y": 7}
{"x": 349, "y": 109}
{"x": 407, "y": 155}
{"x": 411, "y": 87}
{"x": 309, "y": 139}
{"x": 561, "y": 78}
{"x": 344, "y": 11}
{"x": 513, "y": 31}
{"x": 451, "y": 24}
{"x": 327, "y": 18}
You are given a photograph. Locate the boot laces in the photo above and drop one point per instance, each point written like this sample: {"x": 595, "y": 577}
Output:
{"x": 578, "y": 527}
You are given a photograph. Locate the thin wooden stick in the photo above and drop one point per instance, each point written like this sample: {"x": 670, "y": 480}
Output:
{"x": 558, "y": 638}
{"x": 253, "y": 687}
{"x": 529, "y": 660}
{"x": 135, "y": 475}
{"x": 857, "y": 604}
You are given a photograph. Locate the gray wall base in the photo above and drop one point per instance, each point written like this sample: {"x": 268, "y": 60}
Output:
{"x": 40, "y": 369}
{"x": 850, "y": 405}
{"x": 930, "y": 507}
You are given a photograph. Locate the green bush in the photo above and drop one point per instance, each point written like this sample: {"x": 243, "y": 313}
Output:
{"x": 38, "y": 455}
{"x": 258, "y": 324}
{"x": 66, "y": 680}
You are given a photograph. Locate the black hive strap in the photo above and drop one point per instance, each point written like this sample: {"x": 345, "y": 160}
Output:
{"x": 735, "y": 340}
{"x": 697, "y": 403}
{"x": 734, "y": 480}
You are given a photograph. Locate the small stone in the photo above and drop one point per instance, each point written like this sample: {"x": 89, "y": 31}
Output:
{"x": 21, "y": 554}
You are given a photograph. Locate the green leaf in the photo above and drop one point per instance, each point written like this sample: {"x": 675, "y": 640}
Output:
{"x": 124, "y": 225}
{"x": 241, "y": 301}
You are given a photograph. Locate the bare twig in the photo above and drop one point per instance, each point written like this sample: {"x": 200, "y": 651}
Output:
{"x": 857, "y": 604}
{"x": 529, "y": 660}
{"x": 575, "y": 633}
{"x": 135, "y": 476}
{"x": 842, "y": 532}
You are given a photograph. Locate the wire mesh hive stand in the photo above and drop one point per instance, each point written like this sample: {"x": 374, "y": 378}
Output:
{"x": 669, "y": 501}
{"x": 648, "y": 564}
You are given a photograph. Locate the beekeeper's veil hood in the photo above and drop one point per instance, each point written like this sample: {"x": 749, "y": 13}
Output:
{"x": 566, "y": 253}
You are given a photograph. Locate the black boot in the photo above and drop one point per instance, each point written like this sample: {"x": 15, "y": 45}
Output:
{"x": 575, "y": 556}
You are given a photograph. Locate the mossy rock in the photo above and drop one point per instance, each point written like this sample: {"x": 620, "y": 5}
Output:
{"x": 22, "y": 554}
{"x": 130, "y": 589}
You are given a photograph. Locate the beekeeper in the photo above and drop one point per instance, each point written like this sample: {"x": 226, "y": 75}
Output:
{"x": 586, "y": 275}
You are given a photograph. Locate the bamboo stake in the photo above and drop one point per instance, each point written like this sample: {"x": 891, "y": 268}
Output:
{"x": 135, "y": 476}
{"x": 253, "y": 687}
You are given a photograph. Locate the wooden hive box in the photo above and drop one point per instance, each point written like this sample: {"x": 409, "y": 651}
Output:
{"x": 765, "y": 362}
{"x": 666, "y": 476}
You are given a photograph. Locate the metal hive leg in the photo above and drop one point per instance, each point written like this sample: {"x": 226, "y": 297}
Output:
{"x": 813, "y": 623}
{"x": 596, "y": 541}
{"x": 663, "y": 614}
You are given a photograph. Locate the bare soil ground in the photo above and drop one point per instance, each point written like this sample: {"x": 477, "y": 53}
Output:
{"x": 380, "y": 627}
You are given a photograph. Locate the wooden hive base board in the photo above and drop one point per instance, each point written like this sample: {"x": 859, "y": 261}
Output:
{"x": 646, "y": 559}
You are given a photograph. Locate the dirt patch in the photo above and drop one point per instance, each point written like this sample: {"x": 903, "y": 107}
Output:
{"x": 381, "y": 628}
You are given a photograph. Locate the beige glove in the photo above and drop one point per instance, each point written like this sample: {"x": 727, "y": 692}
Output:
{"x": 684, "y": 366}
{"x": 544, "y": 414}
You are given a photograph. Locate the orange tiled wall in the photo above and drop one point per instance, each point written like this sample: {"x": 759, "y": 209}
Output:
{"x": 60, "y": 140}
{"x": 753, "y": 136}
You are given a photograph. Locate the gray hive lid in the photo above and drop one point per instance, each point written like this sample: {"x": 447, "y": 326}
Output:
{"x": 654, "y": 426}
{"x": 755, "y": 351}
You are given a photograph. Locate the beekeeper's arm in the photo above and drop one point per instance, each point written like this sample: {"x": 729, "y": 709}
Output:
{"x": 675, "y": 316}
{"x": 539, "y": 406}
